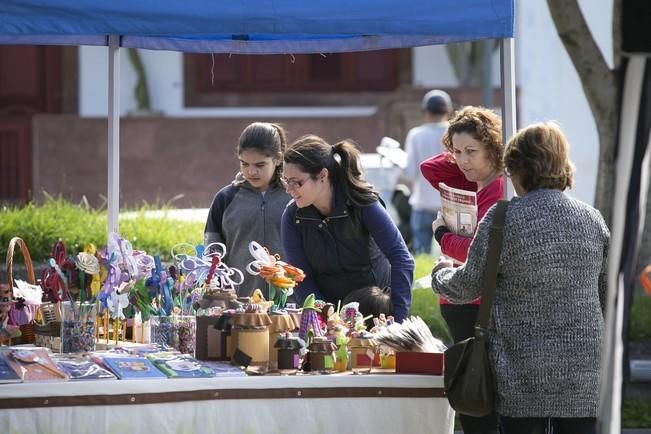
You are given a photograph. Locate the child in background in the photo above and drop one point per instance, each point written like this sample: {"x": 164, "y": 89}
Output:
{"x": 250, "y": 208}
{"x": 372, "y": 301}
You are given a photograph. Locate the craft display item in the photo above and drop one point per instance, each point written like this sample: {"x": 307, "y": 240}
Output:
{"x": 352, "y": 317}
{"x": 217, "y": 298}
{"x": 7, "y": 331}
{"x": 280, "y": 276}
{"x": 53, "y": 279}
{"x": 184, "y": 334}
{"x": 387, "y": 354}
{"x": 309, "y": 326}
{"x": 161, "y": 330}
{"x": 419, "y": 363}
{"x": 210, "y": 342}
{"x": 280, "y": 325}
{"x": 387, "y": 360}
{"x": 140, "y": 330}
{"x": 289, "y": 352}
{"x": 250, "y": 335}
{"x": 322, "y": 355}
{"x": 207, "y": 270}
{"x": 224, "y": 327}
{"x": 78, "y": 327}
{"x": 258, "y": 298}
{"x": 417, "y": 351}
{"x": 338, "y": 333}
{"x": 21, "y": 314}
{"x": 412, "y": 335}
{"x": 47, "y": 333}
{"x": 341, "y": 355}
{"x": 363, "y": 353}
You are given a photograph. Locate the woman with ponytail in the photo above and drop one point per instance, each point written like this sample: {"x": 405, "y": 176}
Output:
{"x": 251, "y": 206}
{"x": 337, "y": 230}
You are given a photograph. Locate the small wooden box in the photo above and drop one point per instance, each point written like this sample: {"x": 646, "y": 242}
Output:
{"x": 210, "y": 341}
{"x": 419, "y": 363}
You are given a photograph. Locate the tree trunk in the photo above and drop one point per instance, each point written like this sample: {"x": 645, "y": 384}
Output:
{"x": 600, "y": 87}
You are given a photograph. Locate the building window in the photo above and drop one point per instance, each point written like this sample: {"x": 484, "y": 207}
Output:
{"x": 222, "y": 79}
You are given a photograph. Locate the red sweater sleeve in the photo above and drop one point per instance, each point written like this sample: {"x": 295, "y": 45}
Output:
{"x": 456, "y": 246}
{"x": 439, "y": 168}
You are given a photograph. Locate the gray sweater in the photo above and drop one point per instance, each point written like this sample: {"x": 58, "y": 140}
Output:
{"x": 547, "y": 319}
{"x": 238, "y": 215}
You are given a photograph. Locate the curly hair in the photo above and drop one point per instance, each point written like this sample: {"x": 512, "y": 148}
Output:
{"x": 538, "y": 156}
{"x": 483, "y": 125}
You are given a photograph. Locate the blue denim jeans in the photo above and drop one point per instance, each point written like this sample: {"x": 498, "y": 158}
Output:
{"x": 421, "y": 230}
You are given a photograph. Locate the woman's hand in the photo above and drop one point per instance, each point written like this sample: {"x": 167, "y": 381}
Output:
{"x": 443, "y": 262}
{"x": 438, "y": 222}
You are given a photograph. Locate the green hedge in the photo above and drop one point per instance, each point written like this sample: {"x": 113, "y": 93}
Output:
{"x": 425, "y": 303}
{"x": 636, "y": 413}
{"x": 77, "y": 225}
{"x": 640, "y": 325}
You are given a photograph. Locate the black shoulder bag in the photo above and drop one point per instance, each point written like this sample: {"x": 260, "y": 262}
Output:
{"x": 469, "y": 378}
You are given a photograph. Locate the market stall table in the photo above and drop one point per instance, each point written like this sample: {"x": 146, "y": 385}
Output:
{"x": 338, "y": 403}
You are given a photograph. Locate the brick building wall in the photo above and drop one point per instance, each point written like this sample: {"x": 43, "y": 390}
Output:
{"x": 160, "y": 158}
{"x": 188, "y": 159}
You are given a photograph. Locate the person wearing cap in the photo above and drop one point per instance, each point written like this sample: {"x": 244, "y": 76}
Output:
{"x": 421, "y": 143}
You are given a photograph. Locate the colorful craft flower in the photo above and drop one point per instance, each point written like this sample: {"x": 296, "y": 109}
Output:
{"x": 281, "y": 276}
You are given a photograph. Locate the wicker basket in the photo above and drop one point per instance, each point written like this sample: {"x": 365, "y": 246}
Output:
{"x": 26, "y": 329}
{"x": 50, "y": 324}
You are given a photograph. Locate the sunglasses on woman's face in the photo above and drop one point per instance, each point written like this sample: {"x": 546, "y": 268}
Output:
{"x": 293, "y": 184}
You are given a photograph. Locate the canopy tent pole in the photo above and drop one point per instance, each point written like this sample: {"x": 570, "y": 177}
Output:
{"x": 628, "y": 218}
{"x": 113, "y": 133}
{"x": 507, "y": 77}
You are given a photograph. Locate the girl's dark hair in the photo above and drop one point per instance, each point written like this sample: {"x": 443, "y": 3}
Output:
{"x": 372, "y": 301}
{"x": 267, "y": 139}
{"x": 312, "y": 154}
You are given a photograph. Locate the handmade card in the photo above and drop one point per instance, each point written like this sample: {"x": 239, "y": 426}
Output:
{"x": 132, "y": 367}
{"x": 33, "y": 364}
{"x": 224, "y": 369}
{"x": 78, "y": 367}
{"x": 7, "y": 374}
{"x": 181, "y": 366}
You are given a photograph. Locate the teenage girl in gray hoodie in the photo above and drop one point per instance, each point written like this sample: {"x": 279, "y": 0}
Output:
{"x": 250, "y": 208}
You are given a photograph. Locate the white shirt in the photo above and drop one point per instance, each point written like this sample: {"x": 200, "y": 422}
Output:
{"x": 421, "y": 143}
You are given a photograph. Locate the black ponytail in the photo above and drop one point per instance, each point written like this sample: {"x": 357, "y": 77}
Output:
{"x": 343, "y": 161}
{"x": 348, "y": 169}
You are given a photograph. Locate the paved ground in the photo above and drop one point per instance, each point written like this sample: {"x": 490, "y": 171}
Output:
{"x": 189, "y": 214}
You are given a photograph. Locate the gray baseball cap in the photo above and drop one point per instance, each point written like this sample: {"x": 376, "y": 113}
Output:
{"x": 437, "y": 102}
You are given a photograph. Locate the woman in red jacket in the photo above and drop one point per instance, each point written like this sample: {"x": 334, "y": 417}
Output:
{"x": 472, "y": 161}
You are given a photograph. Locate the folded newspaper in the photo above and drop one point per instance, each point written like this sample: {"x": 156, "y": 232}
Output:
{"x": 459, "y": 209}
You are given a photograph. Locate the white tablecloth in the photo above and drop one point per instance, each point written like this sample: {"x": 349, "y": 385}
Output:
{"x": 373, "y": 404}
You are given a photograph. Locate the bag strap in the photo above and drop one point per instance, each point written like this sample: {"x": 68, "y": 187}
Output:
{"x": 490, "y": 272}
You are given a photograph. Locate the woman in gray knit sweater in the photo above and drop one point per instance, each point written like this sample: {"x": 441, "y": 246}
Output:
{"x": 547, "y": 318}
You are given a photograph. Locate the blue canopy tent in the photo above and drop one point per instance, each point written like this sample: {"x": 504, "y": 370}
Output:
{"x": 255, "y": 27}
{"x": 264, "y": 27}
